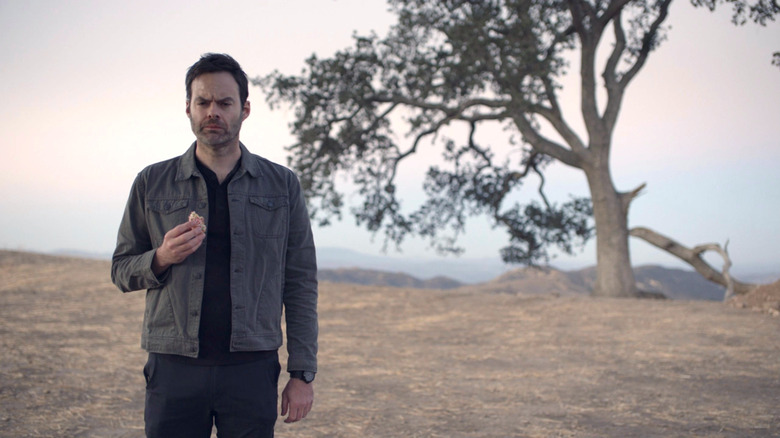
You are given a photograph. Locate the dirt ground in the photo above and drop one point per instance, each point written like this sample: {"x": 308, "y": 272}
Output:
{"x": 411, "y": 363}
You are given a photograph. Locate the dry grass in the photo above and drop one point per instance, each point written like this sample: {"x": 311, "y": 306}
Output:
{"x": 411, "y": 363}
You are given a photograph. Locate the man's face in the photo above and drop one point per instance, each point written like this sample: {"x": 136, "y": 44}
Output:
{"x": 215, "y": 110}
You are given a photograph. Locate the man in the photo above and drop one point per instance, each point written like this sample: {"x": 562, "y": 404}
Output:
{"x": 214, "y": 300}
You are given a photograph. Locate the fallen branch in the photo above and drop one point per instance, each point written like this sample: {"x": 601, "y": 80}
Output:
{"x": 692, "y": 256}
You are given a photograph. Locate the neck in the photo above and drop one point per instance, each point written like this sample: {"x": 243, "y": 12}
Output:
{"x": 220, "y": 160}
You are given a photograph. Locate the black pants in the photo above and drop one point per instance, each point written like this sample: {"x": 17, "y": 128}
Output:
{"x": 185, "y": 400}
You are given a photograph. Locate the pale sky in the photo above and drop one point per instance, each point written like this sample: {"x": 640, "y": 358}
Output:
{"x": 93, "y": 91}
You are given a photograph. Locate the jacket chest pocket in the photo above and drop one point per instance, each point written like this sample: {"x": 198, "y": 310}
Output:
{"x": 268, "y": 216}
{"x": 164, "y": 214}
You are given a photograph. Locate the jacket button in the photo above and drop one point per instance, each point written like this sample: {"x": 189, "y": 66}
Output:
{"x": 194, "y": 313}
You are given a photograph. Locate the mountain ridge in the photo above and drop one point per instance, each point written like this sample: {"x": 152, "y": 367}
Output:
{"x": 651, "y": 280}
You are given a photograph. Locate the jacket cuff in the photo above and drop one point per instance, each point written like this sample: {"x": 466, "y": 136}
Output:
{"x": 148, "y": 274}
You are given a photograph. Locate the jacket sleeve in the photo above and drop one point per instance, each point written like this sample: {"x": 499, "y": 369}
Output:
{"x": 131, "y": 264}
{"x": 300, "y": 286}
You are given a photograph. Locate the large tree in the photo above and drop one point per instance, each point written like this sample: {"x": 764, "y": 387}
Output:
{"x": 476, "y": 63}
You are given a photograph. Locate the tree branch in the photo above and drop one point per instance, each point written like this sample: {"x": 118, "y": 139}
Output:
{"x": 556, "y": 120}
{"x": 589, "y": 39}
{"x": 491, "y": 103}
{"x": 532, "y": 162}
{"x": 648, "y": 43}
{"x": 614, "y": 87}
{"x": 692, "y": 256}
{"x": 546, "y": 146}
{"x": 701, "y": 249}
{"x": 626, "y": 198}
{"x": 614, "y": 9}
{"x": 437, "y": 126}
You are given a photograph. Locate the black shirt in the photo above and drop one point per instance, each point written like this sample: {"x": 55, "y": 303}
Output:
{"x": 215, "y": 317}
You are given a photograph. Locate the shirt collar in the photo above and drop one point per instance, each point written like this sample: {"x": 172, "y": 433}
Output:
{"x": 188, "y": 168}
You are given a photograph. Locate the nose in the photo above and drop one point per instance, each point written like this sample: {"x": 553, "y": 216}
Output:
{"x": 213, "y": 112}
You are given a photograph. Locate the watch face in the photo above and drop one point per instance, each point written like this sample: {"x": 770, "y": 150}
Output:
{"x": 308, "y": 376}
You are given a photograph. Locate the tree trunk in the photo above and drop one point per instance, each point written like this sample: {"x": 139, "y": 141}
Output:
{"x": 614, "y": 275}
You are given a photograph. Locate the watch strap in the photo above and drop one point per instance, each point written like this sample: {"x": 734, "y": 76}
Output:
{"x": 306, "y": 376}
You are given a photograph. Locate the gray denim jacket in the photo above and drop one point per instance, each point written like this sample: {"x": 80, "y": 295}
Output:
{"x": 272, "y": 261}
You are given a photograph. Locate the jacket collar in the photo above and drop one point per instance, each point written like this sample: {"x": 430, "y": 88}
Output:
{"x": 188, "y": 168}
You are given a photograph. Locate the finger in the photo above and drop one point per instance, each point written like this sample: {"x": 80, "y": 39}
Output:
{"x": 182, "y": 246}
{"x": 285, "y": 404}
{"x": 293, "y": 417}
{"x": 193, "y": 236}
{"x": 191, "y": 245}
{"x": 180, "y": 229}
{"x": 299, "y": 413}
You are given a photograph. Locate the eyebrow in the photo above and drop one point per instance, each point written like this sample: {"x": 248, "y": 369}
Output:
{"x": 223, "y": 100}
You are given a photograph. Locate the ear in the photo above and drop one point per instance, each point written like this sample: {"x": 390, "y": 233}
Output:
{"x": 187, "y": 109}
{"x": 245, "y": 111}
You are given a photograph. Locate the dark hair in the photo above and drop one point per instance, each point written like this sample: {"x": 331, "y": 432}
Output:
{"x": 214, "y": 63}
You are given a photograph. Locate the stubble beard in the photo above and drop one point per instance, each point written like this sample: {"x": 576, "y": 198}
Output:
{"x": 217, "y": 141}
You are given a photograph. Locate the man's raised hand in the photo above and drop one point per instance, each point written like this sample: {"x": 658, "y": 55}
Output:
{"x": 178, "y": 243}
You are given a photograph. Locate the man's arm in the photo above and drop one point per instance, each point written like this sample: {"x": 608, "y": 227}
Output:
{"x": 300, "y": 286}
{"x": 133, "y": 255}
{"x": 300, "y": 303}
{"x": 136, "y": 264}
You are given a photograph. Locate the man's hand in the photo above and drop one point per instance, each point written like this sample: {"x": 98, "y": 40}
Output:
{"x": 178, "y": 244}
{"x": 297, "y": 399}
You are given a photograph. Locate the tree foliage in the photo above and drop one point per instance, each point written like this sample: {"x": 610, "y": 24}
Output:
{"x": 473, "y": 63}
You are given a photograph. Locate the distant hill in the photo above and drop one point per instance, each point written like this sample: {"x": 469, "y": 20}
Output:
{"x": 340, "y": 265}
{"x": 534, "y": 281}
{"x": 470, "y": 270}
{"x": 382, "y": 278}
{"x": 83, "y": 254}
{"x": 671, "y": 283}
{"x": 464, "y": 270}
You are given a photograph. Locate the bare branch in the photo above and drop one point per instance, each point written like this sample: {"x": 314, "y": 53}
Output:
{"x": 701, "y": 249}
{"x": 693, "y": 258}
{"x": 626, "y": 198}
{"x": 534, "y": 166}
{"x": 473, "y": 145}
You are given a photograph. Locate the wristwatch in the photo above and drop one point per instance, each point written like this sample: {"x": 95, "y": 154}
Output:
{"x": 306, "y": 376}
